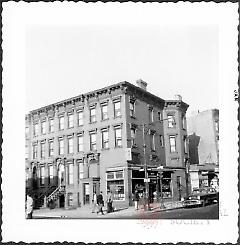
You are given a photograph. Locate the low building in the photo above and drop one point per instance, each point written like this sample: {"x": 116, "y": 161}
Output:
{"x": 117, "y": 138}
{"x": 203, "y": 134}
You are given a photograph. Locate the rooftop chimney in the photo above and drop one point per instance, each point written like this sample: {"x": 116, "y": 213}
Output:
{"x": 141, "y": 84}
{"x": 178, "y": 97}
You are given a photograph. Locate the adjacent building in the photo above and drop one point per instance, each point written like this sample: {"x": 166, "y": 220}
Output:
{"x": 203, "y": 134}
{"x": 95, "y": 142}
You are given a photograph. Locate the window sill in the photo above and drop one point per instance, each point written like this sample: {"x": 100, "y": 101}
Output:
{"x": 133, "y": 117}
{"x": 115, "y": 117}
{"x": 70, "y": 127}
{"x": 118, "y": 147}
{"x": 106, "y": 119}
{"x": 105, "y": 149}
{"x": 92, "y": 122}
{"x": 152, "y": 150}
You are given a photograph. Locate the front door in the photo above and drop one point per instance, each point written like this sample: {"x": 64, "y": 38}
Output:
{"x": 61, "y": 180}
{"x": 86, "y": 193}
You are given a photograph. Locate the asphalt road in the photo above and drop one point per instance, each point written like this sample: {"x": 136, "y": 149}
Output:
{"x": 207, "y": 212}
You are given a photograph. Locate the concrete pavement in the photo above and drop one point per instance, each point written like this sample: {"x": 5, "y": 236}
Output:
{"x": 86, "y": 211}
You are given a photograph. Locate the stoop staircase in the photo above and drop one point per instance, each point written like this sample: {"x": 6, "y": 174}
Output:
{"x": 55, "y": 194}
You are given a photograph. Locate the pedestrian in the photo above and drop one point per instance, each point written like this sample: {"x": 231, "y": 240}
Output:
{"x": 94, "y": 202}
{"x": 100, "y": 203}
{"x": 29, "y": 206}
{"x": 136, "y": 199}
{"x": 109, "y": 202}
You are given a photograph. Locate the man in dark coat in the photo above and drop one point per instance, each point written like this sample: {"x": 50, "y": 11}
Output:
{"x": 100, "y": 203}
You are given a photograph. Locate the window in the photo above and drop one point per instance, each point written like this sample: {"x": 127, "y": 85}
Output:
{"x": 35, "y": 129}
{"x": 184, "y": 122}
{"x": 70, "y": 199}
{"x": 117, "y": 109}
{"x": 80, "y": 142}
{"x": 61, "y": 146}
{"x": 93, "y": 141}
{"x": 70, "y": 120}
{"x": 132, "y": 108}
{"x": 26, "y": 132}
{"x": 152, "y": 141}
{"x": 51, "y": 149}
{"x": 42, "y": 145}
{"x": 216, "y": 126}
{"x": 185, "y": 144}
{"x": 171, "y": 122}
{"x": 42, "y": 175}
{"x": 80, "y": 118}
{"x": 26, "y": 151}
{"x": 172, "y": 140}
{"x": 43, "y": 127}
{"x": 61, "y": 123}
{"x": 81, "y": 170}
{"x": 104, "y": 110}
{"x": 161, "y": 140}
{"x": 93, "y": 117}
{"x": 34, "y": 151}
{"x": 118, "y": 137}
{"x": 133, "y": 135}
{"x": 70, "y": 174}
{"x": 150, "y": 115}
{"x": 51, "y": 125}
{"x": 70, "y": 145}
{"x": 115, "y": 183}
{"x": 159, "y": 116}
{"x": 50, "y": 173}
{"x": 105, "y": 139}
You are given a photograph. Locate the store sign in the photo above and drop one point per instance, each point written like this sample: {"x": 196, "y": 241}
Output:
{"x": 146, "y": 180}
{"x": 128, "y": 154}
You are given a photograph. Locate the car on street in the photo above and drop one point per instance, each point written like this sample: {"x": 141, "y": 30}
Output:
{"x": 202, "y": 197}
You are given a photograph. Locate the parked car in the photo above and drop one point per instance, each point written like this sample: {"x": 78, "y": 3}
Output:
{"x": 202, "y": 197}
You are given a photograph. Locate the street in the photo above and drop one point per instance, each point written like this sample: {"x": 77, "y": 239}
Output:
{"x": 208, "y": 212}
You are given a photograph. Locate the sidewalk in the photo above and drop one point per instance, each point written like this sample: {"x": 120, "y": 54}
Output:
{"x": 85, "y": 212}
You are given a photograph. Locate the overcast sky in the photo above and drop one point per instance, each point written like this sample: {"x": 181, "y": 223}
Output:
{"x": 67, "y": 60}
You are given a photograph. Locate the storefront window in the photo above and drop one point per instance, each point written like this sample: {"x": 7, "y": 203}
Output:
{"x": 115, "y": 183}
{"x": 70, "y": 199}
{"x": 166, "y": 185}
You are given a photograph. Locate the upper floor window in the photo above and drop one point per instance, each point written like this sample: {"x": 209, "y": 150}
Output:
{"x": 93, "y": 117}
{"x": 80, "y": 118}
{"x": 117, "y": 108}
{"x": 34, "y": 151}
{"x": 50, "y": 149}
{"x": 70, "y": 174}
{"x": 80, "y": 143}
{"x": 70, "y": 120}
{"x": 42, "y": 146}
{"x": 70, "y": 145}
{"x": 51, "y": 125}
{"x": 133, "y": 135}
{"x": 26, "y": 152}
{"x": 132, "y": 108}
{"x": 93, "y": 141}
{"x": 42, "y": 175}
{"x": 151, "y": 115}
{"x": 104, "y": 111}
{"x": 216, "y": 126}
{"x": 26, "y": 132}
{"x": 184, "y": 122}
{"x": 105, "y": 139}
{"x": 43, "y": 127}
{"x": 50, "y": 173}
{"x": 185, "y": 144}
{"x": 61, "y": 146}
{"x": 61, "y": 123}
{"x": 159, "y": 116}
{"x": 152, "y": 141}
{"x": 35, "y": 129}
{"x": 172, "y": 141}
{"x": 171, "y": 122}
{"x": 118, "y": 136}
{"x": 161, "y": 140}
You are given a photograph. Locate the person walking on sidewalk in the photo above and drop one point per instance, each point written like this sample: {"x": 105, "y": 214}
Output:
{"x": 100, "y": 203}
{"x": 109, "y": 202}
{"x": 29, "y": 207}
{"x": 94, "y": 202}
{"x": 136, "y": 199}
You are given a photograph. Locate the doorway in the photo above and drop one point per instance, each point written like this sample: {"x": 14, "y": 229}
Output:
{"x": 86, "y": 193}
{"x": 61, "y": 201}
{"x": 61, "y": 179}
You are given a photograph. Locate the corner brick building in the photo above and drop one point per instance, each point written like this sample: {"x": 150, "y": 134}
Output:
{"x": 94, "y": 142}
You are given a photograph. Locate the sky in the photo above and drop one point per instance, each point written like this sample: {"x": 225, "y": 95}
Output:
{"x": 63, "y": 61}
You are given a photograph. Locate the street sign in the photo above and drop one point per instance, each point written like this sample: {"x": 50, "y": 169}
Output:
{"x": 146, "y": 180}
